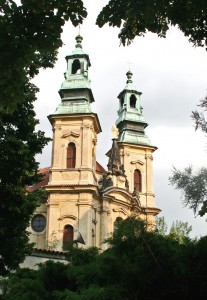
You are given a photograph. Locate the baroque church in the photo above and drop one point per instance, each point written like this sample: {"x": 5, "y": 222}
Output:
{"x": 84, "y": 201}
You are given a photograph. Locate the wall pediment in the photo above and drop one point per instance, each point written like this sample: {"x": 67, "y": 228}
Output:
{"x": 119, "y": 195}
{"x": 68, "y": 133}
{"x": 67, "y": 217}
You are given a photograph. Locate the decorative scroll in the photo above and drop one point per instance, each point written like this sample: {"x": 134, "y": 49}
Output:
{"x": 120, "y": 209}
{"x": 137, "y": 162}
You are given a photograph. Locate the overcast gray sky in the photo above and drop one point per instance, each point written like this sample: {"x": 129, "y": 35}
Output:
{"x": 170, "y": 73}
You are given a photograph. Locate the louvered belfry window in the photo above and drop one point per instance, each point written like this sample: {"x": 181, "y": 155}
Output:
{"x": 71, "y": 155}
{"x": 76, "y": 67}
{"x": 137, "y": 181}
{"x": 133, "y": 100}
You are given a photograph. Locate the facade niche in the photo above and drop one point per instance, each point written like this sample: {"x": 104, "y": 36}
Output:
{"x": 133, "y": 101}
{"x": 71, "y": 155}
{"x": 137, "y": 181}
{"x": 68, "y": 234}
{"x": 76, "y": 67}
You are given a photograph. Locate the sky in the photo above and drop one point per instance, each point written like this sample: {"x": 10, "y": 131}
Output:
{"x": 171, "y": 74}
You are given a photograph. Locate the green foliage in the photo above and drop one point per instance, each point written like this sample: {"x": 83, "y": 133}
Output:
{"x": 30, "y": 37}
{"x": 53, "y": 276}
{"x": 161, "y": 226}
{"x": 19, "y": 143}
{"x": 199, "y": 117}
{"x": 79, "y": 256}
{"x": 136, "y": 18}
{"x": 193, "y": 188}
{"x": 194, "y": 185}
{"x": 23, "y": 285}
{"x": 139, "y": 264}
{"x": 179, "y": 231}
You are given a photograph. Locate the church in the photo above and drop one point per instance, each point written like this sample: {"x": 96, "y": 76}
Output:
{"x": 84, "y": 201}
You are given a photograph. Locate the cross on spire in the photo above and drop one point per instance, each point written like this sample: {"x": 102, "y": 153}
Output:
{"x": 129, "y": 63}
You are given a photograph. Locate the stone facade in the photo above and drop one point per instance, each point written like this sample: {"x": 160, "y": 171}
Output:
{"x": 85, "y": 202}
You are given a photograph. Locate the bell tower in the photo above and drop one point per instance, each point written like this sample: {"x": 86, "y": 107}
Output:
{"x": 73, "y": 186}
{"x": 134, "y": 146}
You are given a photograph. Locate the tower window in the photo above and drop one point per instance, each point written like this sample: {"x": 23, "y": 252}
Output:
{"x": 71, "y": 155}
{"x": 133, "y": 101}
{"x": 137, "y": 181}
{"x": 76, "y": 67}
{"x": 68, "y": 233}
{"x": 122, "y": 102}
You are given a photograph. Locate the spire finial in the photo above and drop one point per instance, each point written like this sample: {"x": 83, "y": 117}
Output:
{"x": 129, "y": 73}
{"x": 79, "y": 41}
{"x": 129, "y": 77}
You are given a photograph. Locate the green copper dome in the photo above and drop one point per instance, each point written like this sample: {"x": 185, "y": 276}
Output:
{"x": 75, "y": 92}
{"x": 131, "y": 122}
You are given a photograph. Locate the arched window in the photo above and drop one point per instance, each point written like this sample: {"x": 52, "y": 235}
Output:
{"x": 76, "y": 66}
{"x": 137, "y": 181}
{"x": 71, "y": 155}
{"x": 68, "y": 233}
{"x": 117, "y": 222}
{"x": 133, "y": 100}
{"x": 122, "y": 101}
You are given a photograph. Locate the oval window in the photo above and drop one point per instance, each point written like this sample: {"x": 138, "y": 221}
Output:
{"x": 38, "y": 223}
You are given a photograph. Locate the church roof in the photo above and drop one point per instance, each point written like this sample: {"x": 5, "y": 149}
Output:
{"x": 45, "y": 179}
{"x": 99, "y": 168}
{"x": 43, "y": 182}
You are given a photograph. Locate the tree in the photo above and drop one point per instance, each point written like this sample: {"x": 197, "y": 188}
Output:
{"x": 193, "y": 188}
{"x": 179, "y": 231}
{"x": 161, "y": 226}
{"x": 194, "y": 185}
{"x": 139, "y": 264}
{"x": 30, "y": 37}
{"x": 136, "y": 18}
{"x": 199, "y": 118}
{"x": 19, "y": 143}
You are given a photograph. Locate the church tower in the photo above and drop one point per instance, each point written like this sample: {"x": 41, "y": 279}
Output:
{"x": 134, "y": 145}
{"x": 128, "y": 185}
{"x": 73, "y": 187}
